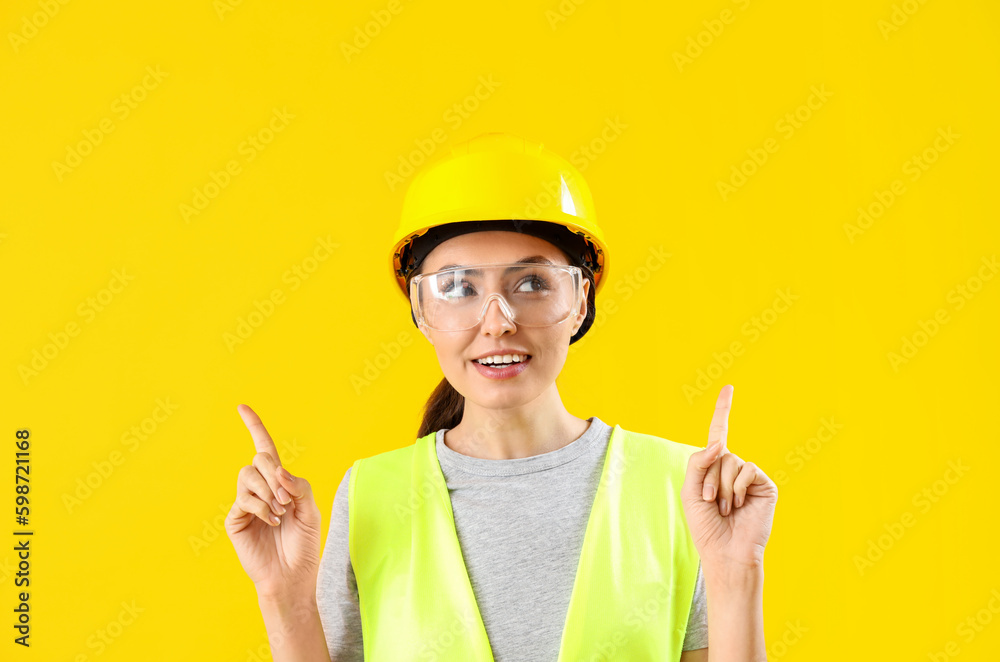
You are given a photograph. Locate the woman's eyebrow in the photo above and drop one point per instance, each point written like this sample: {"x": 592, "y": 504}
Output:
{"x": 534, "y": 259}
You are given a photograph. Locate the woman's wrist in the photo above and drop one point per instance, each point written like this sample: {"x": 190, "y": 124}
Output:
{"x": 294, "y": 629}
{"x": 287, "y": 598}
{"x": 735, "y": 593}
{"x": 284, "y": 616}
{"x": 735, "y": 579}
{"x": 731, "y": 567}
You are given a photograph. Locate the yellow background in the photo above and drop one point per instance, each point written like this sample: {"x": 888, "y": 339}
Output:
{"x": 894, "y": 74}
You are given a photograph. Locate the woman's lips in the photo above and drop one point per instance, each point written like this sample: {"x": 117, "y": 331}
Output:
{"x": 506, "y": 372}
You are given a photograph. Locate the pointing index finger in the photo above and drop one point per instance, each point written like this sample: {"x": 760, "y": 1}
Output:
{"x": 261, "y": 439}
{"x": 720, "y": 419}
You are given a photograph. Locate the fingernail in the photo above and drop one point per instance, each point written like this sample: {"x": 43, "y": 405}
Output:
{"x": 711, "y": 492}
{"x": 723, "y": 507}
{"x": 275, "y": 519}
{"x": 283, "y": 495}
{"x": 278, "y": 508}
{"x": 739, "y": 501}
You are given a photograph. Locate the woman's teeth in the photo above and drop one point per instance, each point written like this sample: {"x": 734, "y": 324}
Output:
{"x": 506, "y": 358}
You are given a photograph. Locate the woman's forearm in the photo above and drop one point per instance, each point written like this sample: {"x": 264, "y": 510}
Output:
{"x": 294, "y": 630}
{"x": 735, "y": 613}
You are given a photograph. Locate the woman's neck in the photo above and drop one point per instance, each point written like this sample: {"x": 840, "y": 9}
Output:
{"x": 524, "y": 431}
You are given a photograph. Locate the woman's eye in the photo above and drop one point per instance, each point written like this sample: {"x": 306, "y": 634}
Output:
{"x": 453, "y": 291}
{"x": 533, "y": 285}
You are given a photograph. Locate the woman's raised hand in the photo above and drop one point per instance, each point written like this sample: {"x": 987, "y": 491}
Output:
{"x": 274, "y": 523}
{"x": 729, "y": 504}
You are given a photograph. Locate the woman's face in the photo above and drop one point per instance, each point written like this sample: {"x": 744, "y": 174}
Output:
{"x": 457, "y": 350}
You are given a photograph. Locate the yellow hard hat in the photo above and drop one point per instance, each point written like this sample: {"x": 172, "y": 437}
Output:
{"x": 499, "y": 177}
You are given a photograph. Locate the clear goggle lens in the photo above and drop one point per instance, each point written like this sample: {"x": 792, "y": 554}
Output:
{"x": 456, "y": 299}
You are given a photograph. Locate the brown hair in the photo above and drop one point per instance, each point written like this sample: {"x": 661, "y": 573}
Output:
{"x": 445, "y": 406}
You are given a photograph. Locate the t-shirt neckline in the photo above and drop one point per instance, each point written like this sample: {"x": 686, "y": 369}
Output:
{"x": 452, "y": 459}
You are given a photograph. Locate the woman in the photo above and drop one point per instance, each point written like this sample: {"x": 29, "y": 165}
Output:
{"x": 512, "y": 529}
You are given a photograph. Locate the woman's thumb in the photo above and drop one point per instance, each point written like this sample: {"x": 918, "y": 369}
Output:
{"x": 300, "y": 491}
{"x": 297, "y": 488}
{"x": 701, "y": 461}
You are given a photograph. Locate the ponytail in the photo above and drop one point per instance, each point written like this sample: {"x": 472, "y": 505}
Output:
{"x": 443, "y": 409}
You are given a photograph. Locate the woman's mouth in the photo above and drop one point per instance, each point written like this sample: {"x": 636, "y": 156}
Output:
{"x": 503, "y": 369}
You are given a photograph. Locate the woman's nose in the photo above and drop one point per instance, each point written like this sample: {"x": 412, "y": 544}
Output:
{"x": 495, "y": 319}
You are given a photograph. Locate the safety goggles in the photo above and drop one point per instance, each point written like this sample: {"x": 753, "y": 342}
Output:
{"x": 531, "y": 295}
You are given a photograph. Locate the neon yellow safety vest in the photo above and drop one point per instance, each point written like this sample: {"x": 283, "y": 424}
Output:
{"x": 635, "y": 579}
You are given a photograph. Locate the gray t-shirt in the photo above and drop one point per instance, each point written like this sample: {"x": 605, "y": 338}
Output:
{"x": 520, "y": 525}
